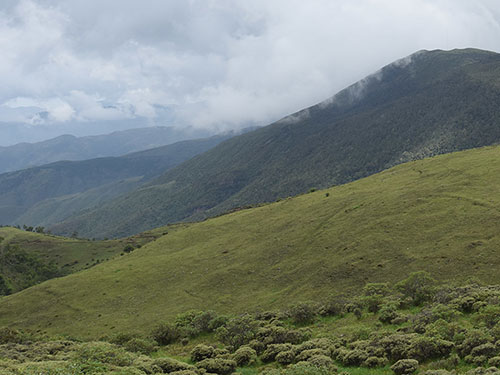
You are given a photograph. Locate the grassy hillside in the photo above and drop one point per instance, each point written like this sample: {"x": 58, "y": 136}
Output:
{"x": 50, "y": 193}
{"x": 28, "y": 258}
{"x": 430, "y": 103}
{"x": 439, "y": 214}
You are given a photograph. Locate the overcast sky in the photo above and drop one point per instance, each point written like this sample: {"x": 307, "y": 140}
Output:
{"x": 91, "y": 66}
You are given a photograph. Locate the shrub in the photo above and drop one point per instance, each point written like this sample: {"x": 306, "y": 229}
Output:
{"x": 128, "y": 249}
{"x": 322, "y": 361}
{"x": 494, "y": 361}
{"x": 419, "y": 286}
{"x": 472, "y": 339}
{"x": 422, "y": 348}
{"x": 375, "y": 362}
{"x": 257, "y": 345}
{"x": 272, "y": 351}
{"x": 488, "y": 350}
{"x": 238, "y": 331}
{"x": 304, "y": 355}
{"x": 104, "y": 352}
{"x": 405, "y": 366}
{"x": 388, "y": 312}
{"x": 353, "y": 357}
{"x": 218, "y": 365}
{"x": 303, "y": 313}
{"x": 286, "y": 357}
{"x": 139, "y": 345}
{"x": 169, "y": 365}
{"x": 244, "y": 356}
{"x": 332, "y": 307}
{"x": 201, "y": 352}
{"x": 166, "y": 334}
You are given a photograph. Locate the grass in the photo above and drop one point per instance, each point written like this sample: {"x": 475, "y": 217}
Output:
{"x": 439, "y": 214}
{"x": 68, "y": 255}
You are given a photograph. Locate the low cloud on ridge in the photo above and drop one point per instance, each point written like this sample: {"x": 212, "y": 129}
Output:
{"x": 209, "y": 64}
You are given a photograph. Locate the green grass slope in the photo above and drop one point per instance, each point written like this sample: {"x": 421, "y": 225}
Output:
{"x": 430, "y": 103}
{"x": 439, "y": 214}
{"x": 28, "y": 258}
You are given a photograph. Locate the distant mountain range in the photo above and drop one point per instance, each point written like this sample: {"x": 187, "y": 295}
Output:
{"x": 68, "y": 147}
{"x": 50, "y": 193}
{"x": 429, "y": 103}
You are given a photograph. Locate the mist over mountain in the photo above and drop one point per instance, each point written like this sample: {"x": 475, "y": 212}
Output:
{"x": 429, "y": 103}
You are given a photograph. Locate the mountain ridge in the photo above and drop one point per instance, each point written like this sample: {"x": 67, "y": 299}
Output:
{"x": 428, "y": 103}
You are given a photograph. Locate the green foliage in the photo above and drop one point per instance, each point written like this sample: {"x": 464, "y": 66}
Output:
{"x": 419, "y": 286}
{"x": 245, "y": 356}
{"x": 405, "y": 367}
{"x": 219, "y": 366}
{"x": 303, "y": 313}
{"x": 165, "y": 334}
{"x": 238, "y": 331}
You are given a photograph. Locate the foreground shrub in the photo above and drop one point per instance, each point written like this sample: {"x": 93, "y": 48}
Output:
{"x": 201, "y": 352}
{"x": 139, "y": 345}
{"x": 169, "y": 365}
{"x": 238, "y": 331}
{"x": 303, "y": 313}
{"x": 244, "y": 356}
{"x": 405, "y": 366}
{"x": 218, "y": 365}
{"x": 166, "y": 334}
{"x": 286, "y": 357}
{"x": 306, "y": 368}
{"x": 273, "y": 350}
{"x": 104, "y": 352}
{"x": 419, "y": 286}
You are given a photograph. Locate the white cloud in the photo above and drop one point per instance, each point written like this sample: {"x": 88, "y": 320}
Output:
{"x": 213, "y": 64}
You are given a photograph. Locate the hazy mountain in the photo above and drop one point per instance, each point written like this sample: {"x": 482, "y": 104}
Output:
{"x": 68, "y": 147}
{"x": 426, "y": 104}
{"x": 50, "y": 193}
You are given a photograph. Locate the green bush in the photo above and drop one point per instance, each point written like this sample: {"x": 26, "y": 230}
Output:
{"x": 168, "y": 365}
{"x": 303, "y": 313}
{"x": 139, "y": 345}
{"x": 166, "y": 334}
{"x": 305, "y": 368}
{"x": 424, "y": 348}
{"x": 238, "y": 331}
{"x": 273, "y": 350}
{"x": 388, "y": 312}
{"x": 304, "y": 355}
{"x": 375, "y": 362}
{"x": 286, "y": 357}
{"x": 244, "y": 356}
{"x": 104, "y": 352}
{"x": 201, "y": 352}
{"x": 419, "y": 286}
{"x": 405, "y": 366}
{"x": 322, "y": 361}
{"x": 218, "y": 365}
{"x": 494, "y": 361}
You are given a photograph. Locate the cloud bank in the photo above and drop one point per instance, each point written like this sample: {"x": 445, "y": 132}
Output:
{"x": 216, "y": 64}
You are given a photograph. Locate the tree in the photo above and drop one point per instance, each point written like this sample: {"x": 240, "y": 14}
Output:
{"x": 419, "y": 286}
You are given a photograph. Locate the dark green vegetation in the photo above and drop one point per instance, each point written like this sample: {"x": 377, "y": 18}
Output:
{"x": 68, "y": 147}
{"x": 412, "y": 327}
{"x": 50, "y": 193}
{"x": 440, "y": 215}
{"x": 28, "y": 258}
{"x": 430, "y": 103}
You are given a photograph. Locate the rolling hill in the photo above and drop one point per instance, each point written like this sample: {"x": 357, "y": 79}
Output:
{"x": 68, "y": 147}
{"x": 28, "y": 258}
{"x": 430, "y": 103}
{"x": 50, "y": 193}
{"x": 439, "y": 214}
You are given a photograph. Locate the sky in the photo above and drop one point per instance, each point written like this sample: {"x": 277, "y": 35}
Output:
{"x": 93, "y": 66}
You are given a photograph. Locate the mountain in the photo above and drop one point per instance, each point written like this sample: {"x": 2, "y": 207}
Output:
{"x": 429, "y": 103}
{"x": 68, "y": 147}
{"x": 49, "y": 193}
{"x": 439, "y": 215}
